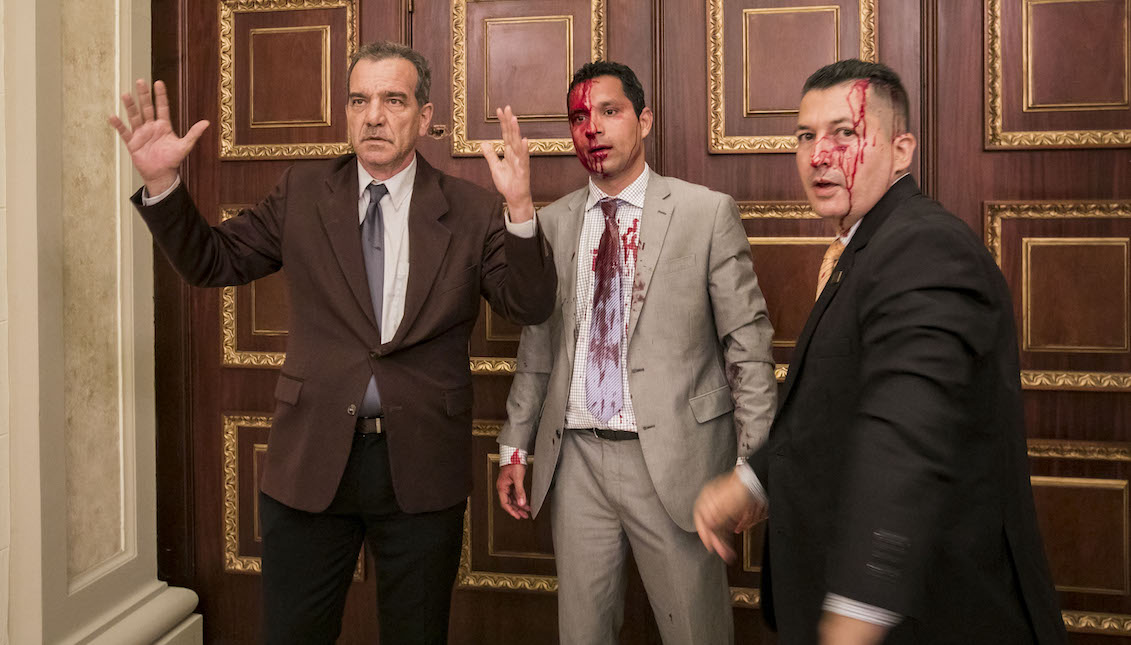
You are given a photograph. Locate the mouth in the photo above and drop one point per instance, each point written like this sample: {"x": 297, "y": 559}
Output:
{"x": 823, "y": 187}
{"x": 600, "y": 150}
{"x": 375, "y": 138}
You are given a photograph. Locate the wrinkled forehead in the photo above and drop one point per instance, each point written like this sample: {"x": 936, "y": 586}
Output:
{"x": 601, "y": 89}
{"x": 849, "y": 101}
{"x": 388, "y": 73}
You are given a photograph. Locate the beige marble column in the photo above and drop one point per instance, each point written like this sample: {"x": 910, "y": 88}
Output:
{"x": 77, "y": 319}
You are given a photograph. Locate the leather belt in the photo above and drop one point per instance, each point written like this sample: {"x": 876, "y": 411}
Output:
{"x": 609, "y": 435}
{"x": 368, "y": 425}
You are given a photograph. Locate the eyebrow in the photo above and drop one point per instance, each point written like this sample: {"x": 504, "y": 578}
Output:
{"x": 834, "y": 122}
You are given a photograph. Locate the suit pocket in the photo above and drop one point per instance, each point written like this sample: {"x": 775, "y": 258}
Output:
{"x": 675, "y": 265}
{"x": 287, "y": 389}
{"x": 458, "y": 401}
{"x": 711, "y": 405}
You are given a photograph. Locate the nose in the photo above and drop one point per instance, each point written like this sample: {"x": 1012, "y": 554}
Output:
{"x": 593, "y": 127}
{"x": 822, "y": 153}
{"x": 375, "y": 115}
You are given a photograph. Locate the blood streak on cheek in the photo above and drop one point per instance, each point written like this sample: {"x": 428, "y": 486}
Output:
{"x": 581, "y": 103}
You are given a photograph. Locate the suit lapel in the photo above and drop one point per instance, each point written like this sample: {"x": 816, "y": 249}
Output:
{"x": 428, "y": 241}
{"x": 872, "y": 221}
{"x": 570, "y": 241}
{"x": 653, "y": 229}
{"x": 339, "y": 218}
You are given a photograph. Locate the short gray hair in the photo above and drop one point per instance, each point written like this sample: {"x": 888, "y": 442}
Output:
{"x": 382, "y": 49}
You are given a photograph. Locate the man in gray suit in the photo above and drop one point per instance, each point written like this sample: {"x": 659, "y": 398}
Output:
{"x": 652, "y": 375}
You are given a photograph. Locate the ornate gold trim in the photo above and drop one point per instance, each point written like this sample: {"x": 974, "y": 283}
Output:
{"x": 718, "y": 140}
{"x": 746, "y": 13}
{"x": 481, "y": 428}
{"x": 790, "y": 241}
{"x": 1084, "y": 622}
{"x": 1072, "y": 449}
{"x": 462, "y": 145}
{"x": 469, "y": 578}
{"x": 1079, "y": 381}
{"x": 776, "y": 210}
{"x": 229, "y": 149}
{"x": 745, "y": 597}
{"x": 488, "y": 115}
{"x": 1027, "y": 246}
{"x": 232, "y": 356}
{"x": 1091, "y": 483}
{"x": 326, "y": 119}
{"x": 996, "y": 135}
{"x": 490, "y": 366}
{"x": 233, "y": 561}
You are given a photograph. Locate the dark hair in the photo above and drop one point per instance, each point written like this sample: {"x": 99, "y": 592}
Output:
{"x": 632, "y": 88}
{"x": 880, "y": 77}
{"x": 382, "y": 49}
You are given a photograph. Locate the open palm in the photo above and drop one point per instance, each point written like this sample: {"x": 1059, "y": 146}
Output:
{"x": 511, "y": 173}
{"x": 155, "y": 149}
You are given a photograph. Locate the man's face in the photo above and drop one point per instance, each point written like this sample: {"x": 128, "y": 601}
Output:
{"x": 607, "y": 134}
{"x": 846, "y": 154}
{"x": 382, "y": 115}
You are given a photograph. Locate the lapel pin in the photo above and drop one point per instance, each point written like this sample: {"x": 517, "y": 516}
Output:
{"x": 837, "y": 276}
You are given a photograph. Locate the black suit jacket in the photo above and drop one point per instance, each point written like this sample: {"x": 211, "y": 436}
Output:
{"x": 896, "y": 467}
{"x": 458, "y": 249}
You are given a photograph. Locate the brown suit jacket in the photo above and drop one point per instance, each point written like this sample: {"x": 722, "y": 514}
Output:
{"x": 458, "y": 249}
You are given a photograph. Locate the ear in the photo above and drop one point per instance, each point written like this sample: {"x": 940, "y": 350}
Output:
{"x": 425, "y": 119}
{"x": 645, "y": 119}
{"x": 903, "y": 149}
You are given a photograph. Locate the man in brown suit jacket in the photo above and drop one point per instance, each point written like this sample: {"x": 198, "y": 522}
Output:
{"x": 386, "y": 260}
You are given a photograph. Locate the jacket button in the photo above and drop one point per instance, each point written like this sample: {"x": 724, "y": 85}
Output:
{"x": 373, "y": 355}
{"x": 558, "y": 432}
{"x": 351, "y": 410}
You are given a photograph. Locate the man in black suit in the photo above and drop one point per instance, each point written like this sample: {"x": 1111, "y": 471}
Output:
{"x": 895, "y": 472}
{"x": 386, "y": 261}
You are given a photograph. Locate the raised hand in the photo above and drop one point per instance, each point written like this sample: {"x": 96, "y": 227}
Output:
{"x": 155, "y": 149}
{"x": 511, "y": 173}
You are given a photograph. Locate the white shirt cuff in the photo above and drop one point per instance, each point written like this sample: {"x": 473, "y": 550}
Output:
{"x": 509, "y": 455}
{"x": 525, "y": 229}
{"x": 860, "y": 611}
{"x": 146, "y": 200}
{"x": 746, "y": 475}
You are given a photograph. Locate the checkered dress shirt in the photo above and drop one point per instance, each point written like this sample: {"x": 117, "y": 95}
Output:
{"x": 629, "y": 211}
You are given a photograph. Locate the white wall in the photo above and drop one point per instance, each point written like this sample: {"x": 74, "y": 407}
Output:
{"x": 76, "y": 326}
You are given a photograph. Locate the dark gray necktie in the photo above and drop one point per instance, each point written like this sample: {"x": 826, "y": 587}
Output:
{"x": 373, "y": 249}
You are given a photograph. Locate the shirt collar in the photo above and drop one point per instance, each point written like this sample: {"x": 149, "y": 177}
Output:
{"x": 847, "y": 237}
{"x": 399, "y": 185}
{"x": 632, "y": 194}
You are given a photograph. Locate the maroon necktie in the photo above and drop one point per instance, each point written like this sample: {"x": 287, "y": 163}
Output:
{"x": 604, "y": 395}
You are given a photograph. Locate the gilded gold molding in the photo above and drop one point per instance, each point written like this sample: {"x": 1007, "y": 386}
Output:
{"x": 490, "y": 366}
{"x": 1084, "y": 622}
{"x": 462, "y": 145}
{"x": 719, "y": 141}
{"x": 746, "y": 597}
{"x": 1082, "y": 381}
{"x": 233, "y": 561}
{"x": 229, "y": 149}
{"x": 481, "y": 428}
{"x": 1027, "y": 246}
{"x": 996, "y": 135}
{"x": 1072, "y": 449}
{"x": 325, "y": 119}
{"x": 776, "y": 210}
{"x": 469, "y": 578}
{"x": 232, "y": 356}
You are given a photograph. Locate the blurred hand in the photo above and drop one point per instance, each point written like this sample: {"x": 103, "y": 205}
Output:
{"x": 511, "y": 173}
{"x": 512, "y": 493}
{"x": 835, "y": 629}
{"x": 724, "y": 507}
{"x": 155, "y": 149}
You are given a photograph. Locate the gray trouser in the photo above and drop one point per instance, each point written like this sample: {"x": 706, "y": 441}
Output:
{"x": 602, "y": 503}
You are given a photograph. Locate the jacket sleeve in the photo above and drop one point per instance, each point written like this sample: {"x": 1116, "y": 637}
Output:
{"x": 528, "y": 390}
{"x": 518, "y": 276}
{"x": 743, "y": 328}
{"x": 237, "y": 251}
{"x": 927, "y": 317}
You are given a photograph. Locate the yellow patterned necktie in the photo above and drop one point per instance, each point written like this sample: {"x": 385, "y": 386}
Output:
{"x": 827, "y": 264}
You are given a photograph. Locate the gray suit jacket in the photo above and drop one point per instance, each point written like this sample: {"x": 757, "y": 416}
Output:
{"x": 701, "y": 374}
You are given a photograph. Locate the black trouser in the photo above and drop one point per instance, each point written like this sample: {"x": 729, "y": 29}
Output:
{"x": 309, "y": 558}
